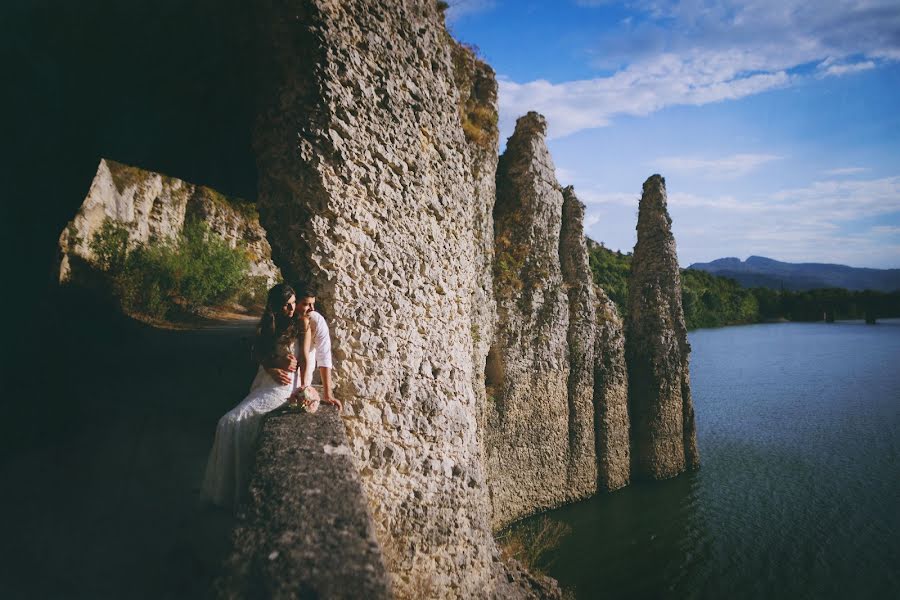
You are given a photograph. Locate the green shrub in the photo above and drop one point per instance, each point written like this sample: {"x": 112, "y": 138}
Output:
{"x": 210, "y": 270}
{"x": 110, "y": 245}
{"x": 198, "y": 269}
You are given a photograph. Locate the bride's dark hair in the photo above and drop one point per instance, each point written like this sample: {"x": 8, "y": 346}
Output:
{"x": 273, "y": 326}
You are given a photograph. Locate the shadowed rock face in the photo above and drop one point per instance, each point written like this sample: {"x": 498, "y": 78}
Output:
{"x": 152, "y": 205}
{"x": 611, "y": 397}
{"x": 369, "y": 187}
{"x": 540, "y": 427}
{"x": 664, "y": 441}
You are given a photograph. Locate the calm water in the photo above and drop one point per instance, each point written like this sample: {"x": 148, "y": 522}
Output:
{"x": 799, "y": 491}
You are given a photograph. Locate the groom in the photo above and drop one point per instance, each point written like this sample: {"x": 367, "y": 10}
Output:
{"x": 320, "y": 353}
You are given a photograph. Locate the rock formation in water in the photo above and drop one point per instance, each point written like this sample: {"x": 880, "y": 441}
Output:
{"x": 612, "y": 425}
{"x": 152, "y": 205}
{"x": 540, "y": 449}
{"x": 664, "y": 440}
{"x": 370, "y": 186}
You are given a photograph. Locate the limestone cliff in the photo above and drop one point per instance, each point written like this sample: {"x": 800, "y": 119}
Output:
{"x": 540, "y": 426}
{"x": 664, "y": 440}
{"x": 152, "y": 205}
{"x": 370, "y": 187}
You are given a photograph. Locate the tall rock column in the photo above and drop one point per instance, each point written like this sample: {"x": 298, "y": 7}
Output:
{"x": 539, "y": 435}
{"x": 664, "y": 440}
{"x": 612, "y": 429}
{"x": 368, "y": 187}
{"x": 578, "y": 283}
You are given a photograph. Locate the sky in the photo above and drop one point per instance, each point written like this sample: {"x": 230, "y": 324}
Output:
{"x": 776, "y": 123}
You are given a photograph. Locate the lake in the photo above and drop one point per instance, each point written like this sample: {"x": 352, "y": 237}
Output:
{"x": 798, "y": 495}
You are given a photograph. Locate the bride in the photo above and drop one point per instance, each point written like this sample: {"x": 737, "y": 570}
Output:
{"x": 283, "y": 334}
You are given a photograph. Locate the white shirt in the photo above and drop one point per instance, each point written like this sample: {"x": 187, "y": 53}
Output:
{"x": 320, "y": 351}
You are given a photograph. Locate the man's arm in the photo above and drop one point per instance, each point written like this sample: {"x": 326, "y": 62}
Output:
{"x": 280, "y": 368}
{"x": 322, "y": 345}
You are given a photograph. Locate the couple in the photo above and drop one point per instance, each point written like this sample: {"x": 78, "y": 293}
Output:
{"x": 289, "y": 328}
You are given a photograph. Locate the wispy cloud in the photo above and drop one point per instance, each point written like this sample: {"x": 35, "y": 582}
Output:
{"x": 639, "y": 90}
{"x": 812, "y": 223}
{"x": 845, "y": 69}
{"x": 696, "y": 53}
{"x": 462, "y": 8}
{"x": 847, "y": 171}
{"x": 726, "y": 167}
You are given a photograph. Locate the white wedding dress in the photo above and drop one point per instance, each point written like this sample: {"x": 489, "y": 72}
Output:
{"x": 231, "y": 458}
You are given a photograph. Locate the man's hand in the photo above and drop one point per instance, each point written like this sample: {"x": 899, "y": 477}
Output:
{"x": 285, "y": 363}
{"x": 329, "y": 399}
{"x": 280, "y": 375}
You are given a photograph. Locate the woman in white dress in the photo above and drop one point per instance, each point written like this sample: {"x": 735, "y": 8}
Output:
{"x": 282, "y": 336}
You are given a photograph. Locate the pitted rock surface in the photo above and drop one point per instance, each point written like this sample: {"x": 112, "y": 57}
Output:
{"x": 152, "y": 205}
{"x": 305, "y": 530}
{"x": 664, "y": 439}
{"x": 367, "y": 187}
{"x": 540, "y": 427}
{"x": 611, "y": 397}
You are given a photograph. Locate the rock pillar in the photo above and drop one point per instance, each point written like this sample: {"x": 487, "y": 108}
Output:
{"x": 539, "y": 434}
{"x": 664, "y": 441}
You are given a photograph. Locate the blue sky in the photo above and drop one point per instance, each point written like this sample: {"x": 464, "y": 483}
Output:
{"x": 776, "y": 123}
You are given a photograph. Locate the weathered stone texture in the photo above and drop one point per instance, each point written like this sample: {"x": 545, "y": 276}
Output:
{"x": 305, "y": 531}
{"x": 611, "y": 397}
{"x": 152, "y": 205}
{"x": 367, "y": 187}
{"x": 664, "y": 441}
{"x": 579, "y": 285}
{"x": 539, "y": 433}
{"x": 477, "y": 87}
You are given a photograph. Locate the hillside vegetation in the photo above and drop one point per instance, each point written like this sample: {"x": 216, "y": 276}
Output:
{"x": 713, "y": 301}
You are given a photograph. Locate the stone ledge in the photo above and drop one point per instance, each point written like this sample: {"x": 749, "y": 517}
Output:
{"x": 305, "y": 531}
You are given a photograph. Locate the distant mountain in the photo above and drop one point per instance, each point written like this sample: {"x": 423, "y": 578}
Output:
{"x": 759, "y": 271}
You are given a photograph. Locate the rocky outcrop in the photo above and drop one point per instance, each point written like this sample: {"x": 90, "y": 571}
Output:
{"x": 664, "y": 440}
{"x": 612, "y": 424}
{"x": 153, "y": 205}
{"x": 369, "y": 186}
{"x": 540, "y": 426}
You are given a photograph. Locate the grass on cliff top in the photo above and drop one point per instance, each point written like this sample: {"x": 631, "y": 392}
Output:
{"x": 126, "y": 176}
{"x": 243, "y": 207}
{"x": 477, "y": 111}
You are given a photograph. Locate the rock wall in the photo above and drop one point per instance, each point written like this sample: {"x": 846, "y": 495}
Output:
{"x": 664, "y": 440}
{"x": 539, "y": 435}
{"x": 305, "y": 531}
{"x": 153, "y": 205}
{"x": 370, "y": 187}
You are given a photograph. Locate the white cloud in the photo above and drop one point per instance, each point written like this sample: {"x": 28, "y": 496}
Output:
{"x": 725, "y": 167}
{"x": 565, "y": 176}
{"x": 462, "y": 8}
{"x": 847, "y": 171}
{"x": 815, "y": 223}
{"x": 845, "y": 69}
{"x": 695, "y": 53}
{"x": 639, "y": 90}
